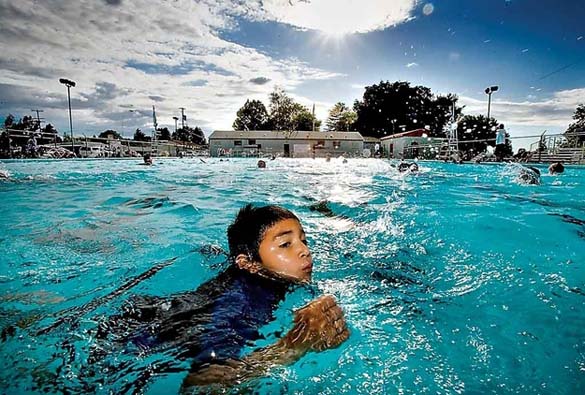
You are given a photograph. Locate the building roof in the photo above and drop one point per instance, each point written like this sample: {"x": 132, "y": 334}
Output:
{"x": 283, "y": 135}
{"x": 410, "y": 133}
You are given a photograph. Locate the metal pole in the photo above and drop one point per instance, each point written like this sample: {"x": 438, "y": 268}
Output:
{"x": 489, "y": 103}
{"x": 182, "y": 117}
{"x": 38, "y": 119}
{"x": 70, "y": 119}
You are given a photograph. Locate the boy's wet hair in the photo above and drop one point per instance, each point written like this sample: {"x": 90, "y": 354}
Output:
{"x": 248, "y": 229}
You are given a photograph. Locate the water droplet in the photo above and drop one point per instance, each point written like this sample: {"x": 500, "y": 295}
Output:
{"x": 428, "y": 9}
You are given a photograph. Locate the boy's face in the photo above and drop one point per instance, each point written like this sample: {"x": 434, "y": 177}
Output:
{"x": 284, "y": 251}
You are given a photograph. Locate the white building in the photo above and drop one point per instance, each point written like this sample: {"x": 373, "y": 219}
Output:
{"x": 296, "y": 144}
{"x": 412, "y": 144}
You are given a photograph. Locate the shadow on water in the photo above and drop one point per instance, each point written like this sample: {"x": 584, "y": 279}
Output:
{"x": 70, "y": 369}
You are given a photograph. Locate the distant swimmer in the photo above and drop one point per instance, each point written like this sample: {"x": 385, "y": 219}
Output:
{"x": 261, "y": 164}
{"x": 556, "y": 168}
{"x": 147, "y": 160}
{"x": 529, "y": 175}
{"x": 405, "y": 166}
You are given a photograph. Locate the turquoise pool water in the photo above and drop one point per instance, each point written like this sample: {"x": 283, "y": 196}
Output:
{"x": 454, "y": 280}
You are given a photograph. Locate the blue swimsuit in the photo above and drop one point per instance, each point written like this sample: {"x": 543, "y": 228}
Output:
{"x": 210, "y": 324}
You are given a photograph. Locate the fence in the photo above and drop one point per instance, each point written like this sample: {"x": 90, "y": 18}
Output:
{"x": 551, "y": 144}
{"x": 17, "y": 145}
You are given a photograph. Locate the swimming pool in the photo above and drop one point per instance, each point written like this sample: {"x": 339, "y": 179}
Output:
{"x": 454, "y": 280}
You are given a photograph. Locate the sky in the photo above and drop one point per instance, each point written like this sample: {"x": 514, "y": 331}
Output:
{"x": 210, "y": 56}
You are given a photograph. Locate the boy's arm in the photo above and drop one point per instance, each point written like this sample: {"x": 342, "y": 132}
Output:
{"x": 317, "y": 326}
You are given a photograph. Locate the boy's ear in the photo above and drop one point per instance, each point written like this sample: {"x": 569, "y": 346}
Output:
{"x": 245, "y": 262}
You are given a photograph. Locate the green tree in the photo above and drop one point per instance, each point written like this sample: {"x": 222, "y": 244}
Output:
{"x": 197, "y": 136}
{"x": 190, "y": 135}
{"x": 302, "y": 118}
{"x": 252, "y": 116}
{"x": 9, "y": 121}
{"x": 25, "y": 123}
{"x": 388, "y": 108}
{"x": 575, "y": 133}
{"x": 163, "y": 133}
{"x": 340, "y": 117}
{"x": 113, "y": 133}
{"x": 281, "y": 110}
{"x": 348, "y": 120}
{"x": 140, "y": 136}
{"x": 285, "y": 114}
{"x": 478, "y": 127}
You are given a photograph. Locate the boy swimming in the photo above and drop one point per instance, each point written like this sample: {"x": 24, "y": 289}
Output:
{"x": 210, "y": 326}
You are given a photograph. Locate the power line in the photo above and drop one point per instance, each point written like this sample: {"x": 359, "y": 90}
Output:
{"x": 559, "y": 70}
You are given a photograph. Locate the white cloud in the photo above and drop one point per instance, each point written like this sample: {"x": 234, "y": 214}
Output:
{"x": 412, "y": 64}
{"x": 554, "y": 113}
{"x": 124, "y": 55}
{"x": 526, "y": 120}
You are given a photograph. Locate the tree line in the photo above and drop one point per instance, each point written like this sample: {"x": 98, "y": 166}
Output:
{"x": 385, "y": 109}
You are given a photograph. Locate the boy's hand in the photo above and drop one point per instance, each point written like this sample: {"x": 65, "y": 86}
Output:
{"x": 317, "y": 326}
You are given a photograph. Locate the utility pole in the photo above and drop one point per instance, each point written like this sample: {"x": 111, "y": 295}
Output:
{"x": 182, "y": 117}
{"x": 154, "y": 121}
{"x": 176, "y": 119}
{"x": 313, "y": 117}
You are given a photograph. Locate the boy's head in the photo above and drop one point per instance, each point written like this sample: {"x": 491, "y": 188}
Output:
{"x": 270, "y": 240}
{"x": 556, "y": 168}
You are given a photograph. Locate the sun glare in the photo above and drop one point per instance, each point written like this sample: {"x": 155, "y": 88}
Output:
{"x": 335, "y": 35}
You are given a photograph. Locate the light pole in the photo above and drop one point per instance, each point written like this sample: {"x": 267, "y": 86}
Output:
{"x": 182, "y": 117}
{"x": 176, "y": 119}
{"x": 488, "y": 91}
{"x": 69, "y": 84}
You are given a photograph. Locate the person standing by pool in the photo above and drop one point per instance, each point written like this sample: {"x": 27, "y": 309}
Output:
{"x": 210, "y": 326}
{"x": 500, "y": 142}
